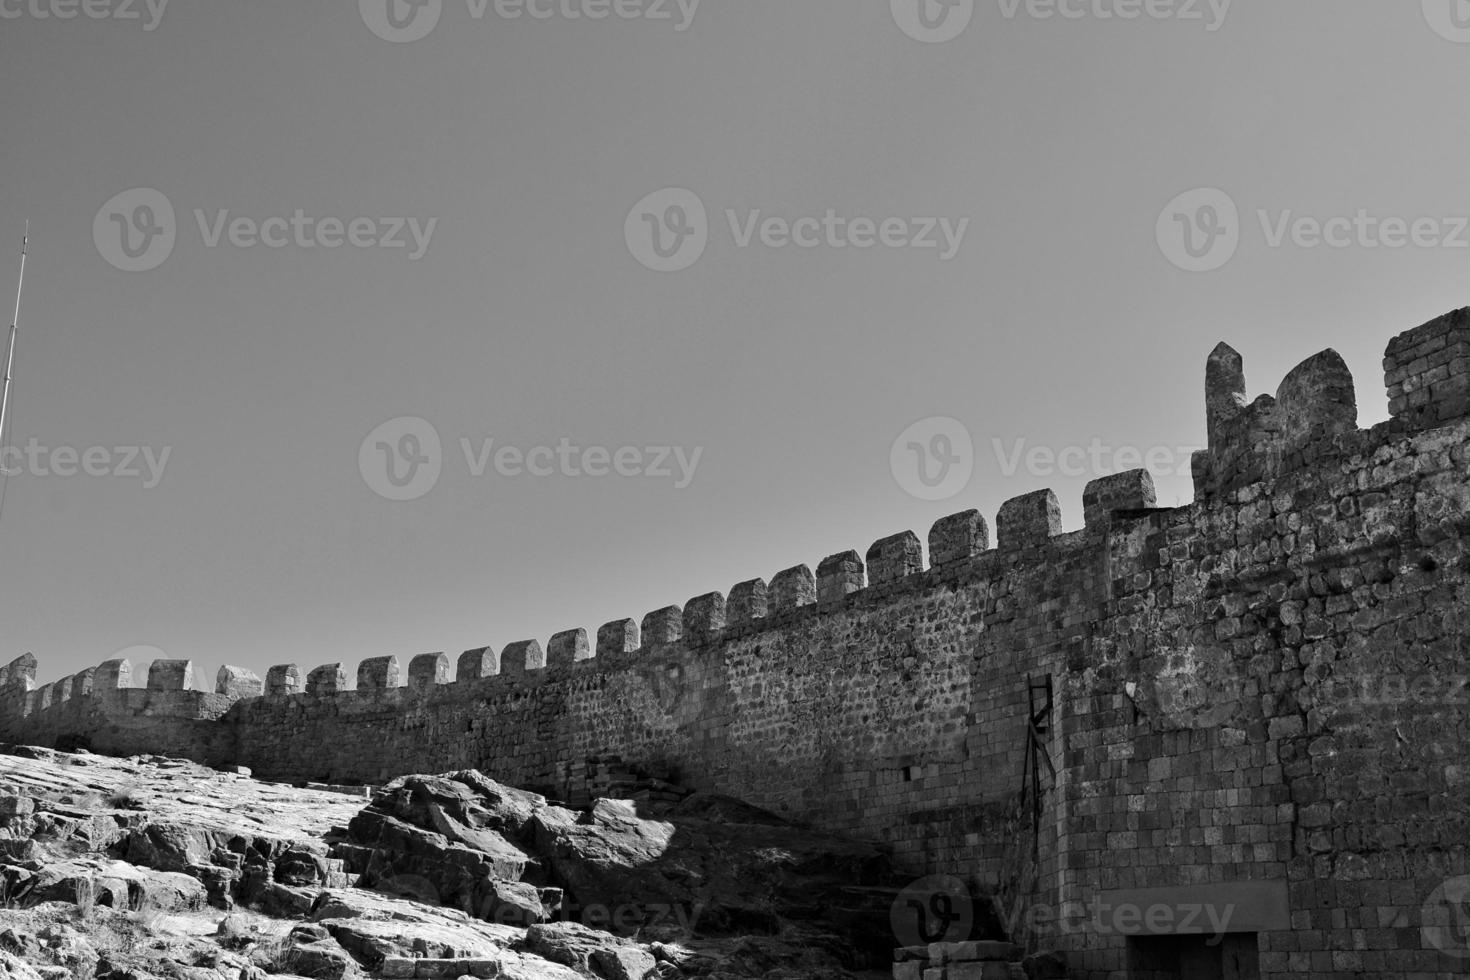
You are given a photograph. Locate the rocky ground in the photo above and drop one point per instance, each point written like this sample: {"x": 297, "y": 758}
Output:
{"x": 141, "y": 868}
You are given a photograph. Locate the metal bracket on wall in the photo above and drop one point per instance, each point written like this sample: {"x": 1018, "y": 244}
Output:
{"x": 1039, "y": 702}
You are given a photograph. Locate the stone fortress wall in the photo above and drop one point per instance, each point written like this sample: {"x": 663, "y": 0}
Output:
{"x": 1260, "y": 694}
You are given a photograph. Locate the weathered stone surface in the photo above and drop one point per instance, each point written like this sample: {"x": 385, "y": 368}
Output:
{"x": 171, "y": 675}
{"x": 568, "y": 647}
{"x": 1279, "y": 655}
{"x": 957, "y": 538}
{"x": 283, "y": 679}
{"x": 112, "y": 674}
{"x": 1028, "y": 521}
{"x": 81, "y": 682}
{"x": 19, "y": 672}
{"x": 451, "y": 834}
{"x": 518, "y": 658}
{"x": 1133, "y": 490}
{"x": 747, "y": 602}
{"x": 326, "y": 679}
{"x": 704, "y": 616}
{"x": 839, "y": 575}
{"x": 375, "y": 928}
{"x": 589, "y": 950}
{"x": 475, "y": 664}
{"x": 792, "y": 588}
{"x": 237, "y": 682}
{"x": 378, "y": 674}
{"x": 117, "y": 885}
{"x": 895, "y": 557}
{"x": 662, "y": 626}
{"x": 619, "y": 636}
{"x": 427, "y": 671}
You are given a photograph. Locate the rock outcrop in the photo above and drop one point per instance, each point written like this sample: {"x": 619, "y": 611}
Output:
{"x": 144, "y": 868}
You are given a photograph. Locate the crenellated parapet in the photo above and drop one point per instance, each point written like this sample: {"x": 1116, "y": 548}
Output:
{"x": 427, "y": 671}
{"x": 1234, "y": 656}
{"x": 1427, "y": 371}
{"x": 283, "y": 679}
{"x": 1314, "y": 414}
{"x": 237, "y": 682}
{"x": 1310, "y": 421}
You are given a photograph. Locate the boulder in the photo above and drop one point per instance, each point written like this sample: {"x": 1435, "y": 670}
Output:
{"x": 374, "y": 927}
{"x": 711, "y": 864}
{"x": 89, "y": 882}
{"x": 589, "y": 951}
{"x": 16, "y": 969}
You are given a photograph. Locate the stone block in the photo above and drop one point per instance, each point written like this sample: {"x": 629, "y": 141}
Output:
{"x": 171, "y": 675}
{"x": 378, "y": 674}
{"x": 519, "y": 658}
{"x": 326, "y": 679}
{"x": 237, "y": 682}
{"x": 978, "y": 970}
{"x": 112, "y": 674}
{"x": 1133, "y": 490}
{"x": 663, "y": 626}
{"x": 793, "y": 588}
{"x": 957, "y": 538}
{"x": 840, "y": 575}
{"x": 427, "y": 671}
{"x": 704, "y": 616}
{"x": 81, "y": 682}
{"x": 895, "y": 557}
{"x": 568, "y": 647}
{"x": 747, "y": 602}
{"x": 283, "y": 679}
{"x": 475, "y": 664}
{"x": 1028, "y": 521}
{"x": 18, "y": 671}
{"x": 619, "y": 636}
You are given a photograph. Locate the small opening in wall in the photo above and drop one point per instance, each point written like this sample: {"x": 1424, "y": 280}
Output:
{"x": 1428, "y": 564}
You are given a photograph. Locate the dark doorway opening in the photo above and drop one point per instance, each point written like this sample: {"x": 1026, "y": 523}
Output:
{"x": 1233, "y": 957}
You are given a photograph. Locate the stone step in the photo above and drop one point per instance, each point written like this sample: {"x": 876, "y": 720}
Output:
{"x": 402, "y": 968}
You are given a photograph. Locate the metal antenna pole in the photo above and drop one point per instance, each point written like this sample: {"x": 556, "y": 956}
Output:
{"x": 14, "y": 324}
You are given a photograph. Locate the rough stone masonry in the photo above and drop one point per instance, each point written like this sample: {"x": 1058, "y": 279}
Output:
{"x": 1227, "y": 739}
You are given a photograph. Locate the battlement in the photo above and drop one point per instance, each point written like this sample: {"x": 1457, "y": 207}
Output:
{"x": 1211, "y": 658}
{"x": 1311, "y": 420}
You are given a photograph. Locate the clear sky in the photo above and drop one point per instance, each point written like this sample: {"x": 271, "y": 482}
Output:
{"x": 1058, "y": 313}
